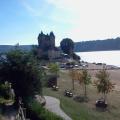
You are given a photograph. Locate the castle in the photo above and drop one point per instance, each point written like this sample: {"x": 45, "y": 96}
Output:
{"x": 46, "y": 46}
{"x": 46, "y": 42}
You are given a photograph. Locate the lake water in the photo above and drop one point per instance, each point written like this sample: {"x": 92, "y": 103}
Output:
{"x": 108, "y": 57}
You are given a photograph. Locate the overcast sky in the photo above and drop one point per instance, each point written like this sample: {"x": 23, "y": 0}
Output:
{"x": 22, "y": 20}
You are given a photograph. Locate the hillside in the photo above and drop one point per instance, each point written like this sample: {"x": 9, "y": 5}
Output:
{"x": 6, "y": 48}
{"x": 98, "y": 45}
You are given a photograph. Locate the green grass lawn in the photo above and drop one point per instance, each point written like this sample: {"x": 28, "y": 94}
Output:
{"x": 84, "y": 111}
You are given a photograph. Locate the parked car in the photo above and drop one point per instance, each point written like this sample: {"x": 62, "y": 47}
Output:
{"x": 85, "y": 65}
{"x": 76, "y": 66}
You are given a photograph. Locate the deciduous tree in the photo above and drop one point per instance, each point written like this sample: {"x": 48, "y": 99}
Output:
{"x": 67, "y": 46}
{"x": 54, "y": 70}
{"x": 75, "y": 76}
{"x": 85, "y": 80}
{"x": 22, "y": 70}
{"x": 103, "y": 83}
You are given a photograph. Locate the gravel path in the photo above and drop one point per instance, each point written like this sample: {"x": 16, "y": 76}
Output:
{"x": 53, "y": 105}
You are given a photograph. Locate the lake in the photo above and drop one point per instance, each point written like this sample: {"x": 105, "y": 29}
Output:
{"x": 108, "y": 57}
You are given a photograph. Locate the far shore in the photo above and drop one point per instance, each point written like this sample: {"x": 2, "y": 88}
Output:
{"x": 97, "y": 51}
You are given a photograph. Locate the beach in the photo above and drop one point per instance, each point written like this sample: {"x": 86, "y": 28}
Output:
{"x": 113, "y": 71}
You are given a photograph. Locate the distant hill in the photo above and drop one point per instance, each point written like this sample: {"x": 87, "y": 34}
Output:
{"x": 97, "y": 45}
{"x": 85, "y": 46}
{"x": 6, "y": 48}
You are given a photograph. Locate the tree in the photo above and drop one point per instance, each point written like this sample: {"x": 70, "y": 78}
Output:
{"x": 54, "y": 70}
{"x": 22, "y": 70}
{"x": 75, "y": 75}
{"x": 34, "y": 51}
{"x": 76, "y": 57}
{"x": 103, "y": 83}
{"x": 67, "y": 46}
{"x": 85, "y": 80}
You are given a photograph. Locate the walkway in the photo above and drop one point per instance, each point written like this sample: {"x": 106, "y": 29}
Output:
{"x": 53, "y": 105}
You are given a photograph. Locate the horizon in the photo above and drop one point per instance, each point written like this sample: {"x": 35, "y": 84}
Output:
{"x": 22, "y": 20}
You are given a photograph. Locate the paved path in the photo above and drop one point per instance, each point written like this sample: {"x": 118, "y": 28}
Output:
{"x": 53, "y": 105}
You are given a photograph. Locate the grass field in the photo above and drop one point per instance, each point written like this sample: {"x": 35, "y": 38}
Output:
{"x": 84, "y": 111}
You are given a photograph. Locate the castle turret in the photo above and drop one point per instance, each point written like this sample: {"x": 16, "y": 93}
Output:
{"x": 40, "y": 37}
{"x": 52, "y": 39}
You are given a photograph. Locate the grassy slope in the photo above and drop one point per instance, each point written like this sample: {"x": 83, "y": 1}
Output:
{"x": 84, "y": 111}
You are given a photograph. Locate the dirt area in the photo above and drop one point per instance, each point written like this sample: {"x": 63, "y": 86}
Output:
{"x": 93, "y": 69}
{"x": 114, "y": 74}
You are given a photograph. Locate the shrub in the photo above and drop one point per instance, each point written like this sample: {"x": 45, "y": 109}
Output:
{"x": 37, "y": 112}
{"x": 4, "y": 91}
{"x": 81, "y": 99}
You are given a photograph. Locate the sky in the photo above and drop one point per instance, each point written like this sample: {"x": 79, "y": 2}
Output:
{"x": 81, "y": 20}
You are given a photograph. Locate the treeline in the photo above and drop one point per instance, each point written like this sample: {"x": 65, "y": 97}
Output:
{"x": 98, "y": 45}
{"x": 6, "y": 48}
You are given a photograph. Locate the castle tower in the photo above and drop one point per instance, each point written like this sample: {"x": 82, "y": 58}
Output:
{"x": 40, "y": 38}
{"x": 52, "y": 39}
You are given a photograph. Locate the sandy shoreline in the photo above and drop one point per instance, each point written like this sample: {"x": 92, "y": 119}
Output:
{"x": 114, "y": 73}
